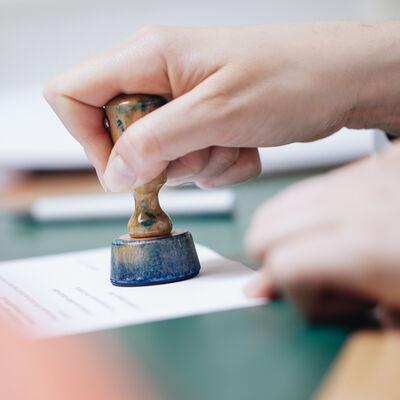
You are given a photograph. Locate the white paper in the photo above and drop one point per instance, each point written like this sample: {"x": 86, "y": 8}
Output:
{"x": 71, "y": 293}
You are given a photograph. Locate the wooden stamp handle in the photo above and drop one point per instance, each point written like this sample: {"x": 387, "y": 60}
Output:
{"x": 149, "y": 220}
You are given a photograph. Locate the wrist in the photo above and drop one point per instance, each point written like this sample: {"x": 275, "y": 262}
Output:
{"x": 377, "y": 76}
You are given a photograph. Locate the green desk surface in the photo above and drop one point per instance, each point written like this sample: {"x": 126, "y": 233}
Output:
{"x": 264, "y": 352}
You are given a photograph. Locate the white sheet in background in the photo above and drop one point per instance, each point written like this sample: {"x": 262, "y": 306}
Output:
{"x": 340, "y": 148}
{"x": 118, "y": 205}
{"x": 71, "y": 293}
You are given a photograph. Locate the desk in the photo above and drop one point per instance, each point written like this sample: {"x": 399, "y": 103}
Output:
{"x": 256, "y": 353}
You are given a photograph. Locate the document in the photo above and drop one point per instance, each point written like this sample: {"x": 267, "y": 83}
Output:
{"x": 71, "y": 293}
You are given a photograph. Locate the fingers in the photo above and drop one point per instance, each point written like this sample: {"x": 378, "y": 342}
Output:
{"x": 218, "y": 166}
{"x": 202, "y": 108}
{"x": 221, "y": 158}
{"x": 319, "y": 246}
{"x": 288, "y": 262}
{"x": 189, "y": 166}
{"x": 262, "y": 285}
{"x": 186, "y": 124}
{"x": 78, "y": 94}
{"x": 135, "y": 66}
{"x": 319, "y": 271}
{"x": 202, "y": 164}
{"x": 168, "y": 133}
{"x": 85, "y": 122}
{"x": 294, "y": 211}
{"x": 246, "y": 166}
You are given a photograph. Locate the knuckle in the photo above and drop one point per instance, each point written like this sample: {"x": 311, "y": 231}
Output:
{"x": 218, "y": 102}
{"x": 196, "y": 168}
{"x": 151, "y": 29}
{"x": 221, "y": 109}
{"x": 155, "y": 34}
{"x": 228, "y": 155}
{"x": 195, "y": 162}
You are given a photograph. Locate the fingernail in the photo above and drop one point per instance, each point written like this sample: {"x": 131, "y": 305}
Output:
{"x": 118, "y": 176}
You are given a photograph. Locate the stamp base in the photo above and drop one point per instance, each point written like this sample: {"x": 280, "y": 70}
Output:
{"x": 153, "y": 261}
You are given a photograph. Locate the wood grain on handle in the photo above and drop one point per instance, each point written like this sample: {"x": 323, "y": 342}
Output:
{"x": 149, "y": 220}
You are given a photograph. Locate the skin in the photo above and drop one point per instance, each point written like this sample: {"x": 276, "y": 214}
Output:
{"x": 232, "y": 90}
{"x": 331, "y": 243}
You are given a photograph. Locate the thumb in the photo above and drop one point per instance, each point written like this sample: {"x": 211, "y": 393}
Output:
{"x": 186, "y": 124}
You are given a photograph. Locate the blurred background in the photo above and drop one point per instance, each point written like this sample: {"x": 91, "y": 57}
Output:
{"x": 40, "y": 38}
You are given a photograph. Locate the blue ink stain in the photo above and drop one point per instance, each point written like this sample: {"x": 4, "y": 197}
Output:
{"x": 146, "y": 222}
{"x": 120, "y": 125}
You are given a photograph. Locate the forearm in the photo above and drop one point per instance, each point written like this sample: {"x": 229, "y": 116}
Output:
{"x": 377, "y": 73}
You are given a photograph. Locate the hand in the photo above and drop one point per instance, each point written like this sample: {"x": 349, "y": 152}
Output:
{"x": 231, "y": 90}
{"x": 332, "y": 243}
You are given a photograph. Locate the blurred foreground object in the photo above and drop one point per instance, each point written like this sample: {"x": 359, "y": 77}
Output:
{"x": 368, "y": 368}
{"x": 65, "y": 369}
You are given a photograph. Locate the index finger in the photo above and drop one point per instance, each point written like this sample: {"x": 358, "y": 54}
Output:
{"x": 78, "y": 94}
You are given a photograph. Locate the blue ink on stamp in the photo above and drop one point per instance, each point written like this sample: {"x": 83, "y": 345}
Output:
{"x": 120, "y": 125}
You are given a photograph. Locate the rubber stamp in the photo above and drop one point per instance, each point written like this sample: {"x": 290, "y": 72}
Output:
{"x": 151, "y": 252}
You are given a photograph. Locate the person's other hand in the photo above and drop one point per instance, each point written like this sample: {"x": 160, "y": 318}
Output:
{"x": 331, "y": 244}
{"x": 231, "y": 90}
